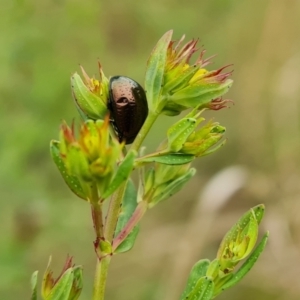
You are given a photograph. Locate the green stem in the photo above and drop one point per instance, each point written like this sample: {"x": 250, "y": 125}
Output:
{"x": 102, "y": 262}
{"x": 151, "y": 118}
{"x": 97, "y": 220}
{"x": 113, "y": 215}
{"x": 115, "y": 204}
{"x": 96, "y": 207}
{"x": 100, "y": 277}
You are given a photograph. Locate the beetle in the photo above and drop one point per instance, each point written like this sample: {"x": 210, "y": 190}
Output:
{"x": 128, "y": 107}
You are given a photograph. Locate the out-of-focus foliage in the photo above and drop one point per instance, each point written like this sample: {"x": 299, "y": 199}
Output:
{"x": 42, "y": 43}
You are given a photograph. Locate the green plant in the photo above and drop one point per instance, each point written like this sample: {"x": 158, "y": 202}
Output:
{"x": 97, "y": 168}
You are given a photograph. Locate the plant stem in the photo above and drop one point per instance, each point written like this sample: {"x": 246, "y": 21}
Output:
{"x": 96, "y": 208}
{"x": 113, "y": 215}
{"x": 115, "y": 204}
{"x": 100, "y": 277}
{"x": 97, "y": 220}
{"x": 102, "y": 262}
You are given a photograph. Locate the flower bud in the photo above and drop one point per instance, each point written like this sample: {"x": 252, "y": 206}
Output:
{"x": 90, "y": 94}
{"x": 174, "y": 84}
{"x": 166, "y": 180}
{"x": 185, "y": 138}
{"x": 239, "y": 240}
{"x": 91, "y": 159}
{"x": 68, "y": 284}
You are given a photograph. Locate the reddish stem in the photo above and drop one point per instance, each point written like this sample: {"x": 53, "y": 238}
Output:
{"x": 97, "y": 220}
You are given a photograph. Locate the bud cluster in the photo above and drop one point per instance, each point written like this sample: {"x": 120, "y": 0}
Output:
{"x": 218, "y": 275}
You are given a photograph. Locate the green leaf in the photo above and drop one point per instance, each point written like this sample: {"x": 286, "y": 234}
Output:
{"x": 168, "y": 189}
{"x": 83, "y": 116}
{"x": 179, "y": 79}
{"x": 62, "y": 288}
{"x": 72, "y": 181}
{"x": 214, "y": 149}
{"x": 90, "y": 104}
{"x": 193, "y": 96}
{"x": 77, "y": 283}
{"x": 145, "y": 182}
{"x": 168, "y": 159}
{"x": 167, "y": 173}
{"x": 105, "y": 247}
{"x": 34, "y": 285}
{"x": 128, "y": 207}
{"x": 155, "y": 70}
{"x": 123, "y": 172}
{"x": 77, "y": 163}
{"x": 213, "y": 269}
{"x": 259, "y": 212}
{"x": 48, "y": 281}
{"x": 247, "y": 265}
{"x": 198, "y": 271}
{"x": 179, "y": 132}
{"x": 203, "y": 290}
{"x": 128, "y": 243}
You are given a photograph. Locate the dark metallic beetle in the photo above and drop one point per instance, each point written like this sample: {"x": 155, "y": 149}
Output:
{"x": 128, "y": 106}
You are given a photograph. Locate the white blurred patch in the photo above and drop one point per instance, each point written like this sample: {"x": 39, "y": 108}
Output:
{"x": 219, "y": 190}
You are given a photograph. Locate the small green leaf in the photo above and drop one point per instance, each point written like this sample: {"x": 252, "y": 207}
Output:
{"x": 214, "y": 149}
{"x": 259, "y": 212}
{"x": 122, "y": 173}
{"x": 90, "y": 104}
{"x": 207, "y": 144}
{"x": 213, "y": 269}
{"x": 48, "y": 281}
{"x": 105, "y": 247}
{"x": 196, "y": 95}
{"x": 179, "y": 79}
{"x": 168, "y": 173}
{"x": 62, "y": 288}
{"x": 168, "y": 159}
{"x": 179, "y": 132}
{"x": 155, "y": 70}
{"x": 83, "y": 116}
{"x": 203, "y": 290}
{"x": 198, "y": 271}
{"x": 168, "y": 189}
{"x": 247, "y": 265}
{"x": 128, "y": 207}
{"x": 146, "y": 180}
{"x": 72, "y": 181}
{"x": 77, "y": 283}
{"x": 34, "y": 285}
{"x": 128, "y": 243}
{"x": 78, "y": 164}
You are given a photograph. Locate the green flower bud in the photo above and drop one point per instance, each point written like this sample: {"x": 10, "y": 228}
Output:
{"x": 165, "y": 181}
{"x": 91, "y": 159}
{"x": 68, "y": 284}
{"x": 90, "y": 95}
{"x": 185, "y": 138}
{"x": 174, "y": 84}
{"x": 239, "y": 240}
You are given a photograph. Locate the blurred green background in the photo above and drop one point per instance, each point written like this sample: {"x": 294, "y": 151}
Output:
{"x": 43, "y": 42}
